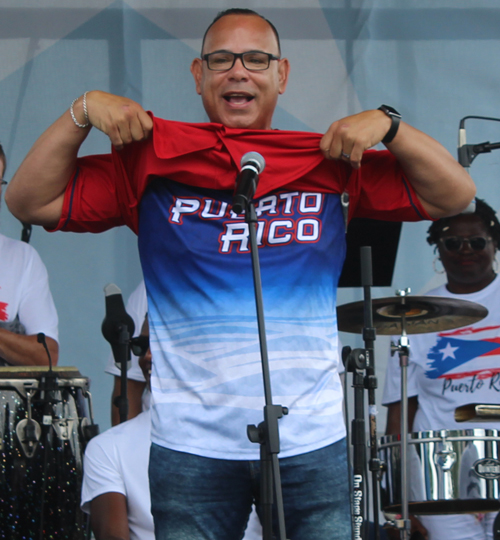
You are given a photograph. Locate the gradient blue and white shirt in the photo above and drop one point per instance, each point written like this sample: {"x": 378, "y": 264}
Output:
{"x": 207, "y": 380}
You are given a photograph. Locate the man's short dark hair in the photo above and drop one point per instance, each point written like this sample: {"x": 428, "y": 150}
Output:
{"x": 483, "y": 211}
{"x": 240, "y": 11}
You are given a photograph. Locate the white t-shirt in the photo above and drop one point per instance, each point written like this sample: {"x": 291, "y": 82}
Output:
{"x": 117, "y": 461}
{"x": 24, "y": 289}
{"x": 452, "y": 368}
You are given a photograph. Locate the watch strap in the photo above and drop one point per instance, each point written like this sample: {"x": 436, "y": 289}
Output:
{"x": 395, "y": 119}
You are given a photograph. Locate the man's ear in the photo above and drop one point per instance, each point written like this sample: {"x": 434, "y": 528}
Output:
{"x": 283, "y": 72}
{"x": 196, "y": 70}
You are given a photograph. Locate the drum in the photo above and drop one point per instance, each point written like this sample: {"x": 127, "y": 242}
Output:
{"x": 43, "y": 421}
{"x": 449, "y": 472}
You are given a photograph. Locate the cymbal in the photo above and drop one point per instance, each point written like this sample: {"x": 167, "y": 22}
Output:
{"x": 423, "y": 314}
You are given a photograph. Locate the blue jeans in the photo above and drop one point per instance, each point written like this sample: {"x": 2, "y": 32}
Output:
{"x": 197, "y": 498}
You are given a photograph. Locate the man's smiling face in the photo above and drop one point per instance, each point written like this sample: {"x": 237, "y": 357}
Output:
{"x": 240, "y": 98}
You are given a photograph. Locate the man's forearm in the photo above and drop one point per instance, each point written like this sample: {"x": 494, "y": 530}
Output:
{"x": 21, "y": 350}
{"x": 36, "y": 192}
{"x": 443, "y": 186}
{"x": 109, "y": 517}
{"x": 441, "y": 183}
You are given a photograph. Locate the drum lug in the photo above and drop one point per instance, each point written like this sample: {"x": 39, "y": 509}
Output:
{"x": 446, "y": 456}
{"x": 63, "y": 428}
{"x": 28, "y": 432}
{"x": 88, "y": 430}
{"x": 23, "y": 387}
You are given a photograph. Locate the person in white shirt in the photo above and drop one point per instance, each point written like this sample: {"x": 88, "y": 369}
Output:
{"x": 115, "y": 489}
{"x": 26, "y": 304}
{"x": 460, "y": 366}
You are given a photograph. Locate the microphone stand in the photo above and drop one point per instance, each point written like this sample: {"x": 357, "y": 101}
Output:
{"x": 369, "y": 336}
{"x": 121, "y": 401}
{"x": 48, "y": 386}
{"x": 357, "y": 361}
{"x": 468, "y": 152}
{"x": 117, "y": 328}
{"x": 267, "y": 432}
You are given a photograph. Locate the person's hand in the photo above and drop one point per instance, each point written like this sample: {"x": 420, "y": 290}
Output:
{"x": 349, "y": 137}
{"x": 120, "y": 118}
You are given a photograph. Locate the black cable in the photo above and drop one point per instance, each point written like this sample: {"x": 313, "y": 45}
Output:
{"x": 45, "y": 477}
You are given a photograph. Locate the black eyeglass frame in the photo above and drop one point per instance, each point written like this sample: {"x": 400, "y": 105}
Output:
{"x": 139, "y": 345}
{"x": 471, "y": 240}
{"x": 241, "y": 56}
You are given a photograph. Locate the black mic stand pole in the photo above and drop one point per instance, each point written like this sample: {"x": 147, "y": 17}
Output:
{"x": 117, "y": 328}
{"x": 48, "y": 386}
{"x": 356, "y": 362}
{"x": 267, "y": 432}
{"x": 121, "y": 401}
{"x": 369, "y": 336}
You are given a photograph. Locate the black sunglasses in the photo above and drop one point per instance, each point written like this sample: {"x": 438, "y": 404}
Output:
{"x": 139, "y": 345}
{"x": 455, "y": 243}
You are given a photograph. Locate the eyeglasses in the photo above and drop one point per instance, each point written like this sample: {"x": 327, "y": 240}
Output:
{"x": 139, "y": 345}
{"x": 455, "y": 243}
{"x": 251, "y": 60}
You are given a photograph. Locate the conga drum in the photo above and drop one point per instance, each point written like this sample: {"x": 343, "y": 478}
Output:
{"x": 44, "y": 427}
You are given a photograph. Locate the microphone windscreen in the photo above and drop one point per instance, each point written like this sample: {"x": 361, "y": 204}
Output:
{"x": 257, "y": 158}
{"x": 116, "y": 315}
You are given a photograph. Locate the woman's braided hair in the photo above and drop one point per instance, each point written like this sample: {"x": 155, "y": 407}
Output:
{"x": 483, "y": 211}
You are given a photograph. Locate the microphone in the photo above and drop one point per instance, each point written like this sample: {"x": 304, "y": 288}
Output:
{"x": 252, "y": 164}
{"x": 465, "y": 157}
{"x": 118, "y": 326}
{"x": 463, "y": 151}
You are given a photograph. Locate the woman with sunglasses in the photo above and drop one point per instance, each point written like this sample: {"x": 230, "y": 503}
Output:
{"x": 456, "y": 367}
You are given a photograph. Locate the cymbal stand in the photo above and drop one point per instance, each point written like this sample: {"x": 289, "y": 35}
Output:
{"x": 267, "y": 432}
{"x": 403, "y": 349}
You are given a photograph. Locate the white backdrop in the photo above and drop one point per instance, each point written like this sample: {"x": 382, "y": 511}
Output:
{"x": 436, "y": 61}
